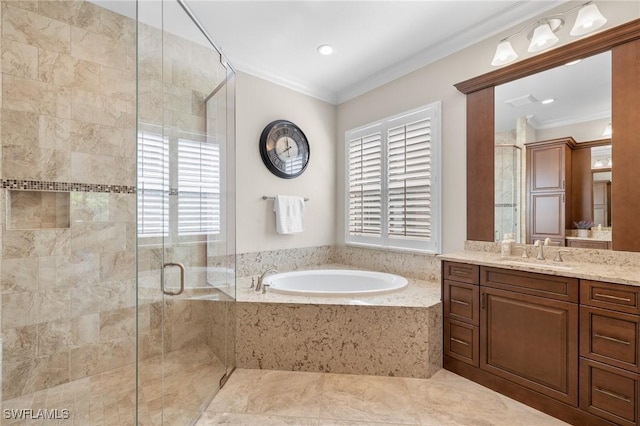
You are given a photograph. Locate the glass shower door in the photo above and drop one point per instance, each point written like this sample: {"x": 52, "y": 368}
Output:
{"x": 186, "y": 211}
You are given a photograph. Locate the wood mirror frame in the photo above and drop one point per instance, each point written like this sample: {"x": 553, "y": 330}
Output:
{"x": 624, "y": 43}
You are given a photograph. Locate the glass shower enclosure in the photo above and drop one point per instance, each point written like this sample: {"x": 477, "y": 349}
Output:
{"x": 185, "y": 215}
{"x": 117, "y": 271}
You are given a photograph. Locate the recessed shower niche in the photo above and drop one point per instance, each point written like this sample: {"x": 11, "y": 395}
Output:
{"x": 38, "y": 209}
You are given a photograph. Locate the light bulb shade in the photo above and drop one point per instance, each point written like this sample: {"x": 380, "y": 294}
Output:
{"x": 504, "y": 54}
{"x": 543, "y": 38}
{"x": 589, "y": 19}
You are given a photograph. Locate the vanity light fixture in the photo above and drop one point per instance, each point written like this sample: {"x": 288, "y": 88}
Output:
{"x": 325, "y": 49}
{"x": 598, "y": 164}
{"x": 543, "y": 34}
{"x": 609, "y": 162}
{"x": 548, "y": 101}
{"x": 589, "y": 19}
{"x": 608, "y": 131}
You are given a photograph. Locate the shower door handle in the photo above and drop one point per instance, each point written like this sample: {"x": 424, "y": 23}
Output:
{"x": 162, "y": 279}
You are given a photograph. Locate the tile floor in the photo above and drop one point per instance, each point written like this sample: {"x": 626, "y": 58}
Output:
{"x": 266, "y": 397}
{"x": 171, "y": 391}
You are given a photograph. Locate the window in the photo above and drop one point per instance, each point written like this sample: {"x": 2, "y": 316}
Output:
{"x": 153, "y": 185}
{"x": 181, "y": 198}
{"x": 392, "y": 192}
{"x": 198, "y": 188}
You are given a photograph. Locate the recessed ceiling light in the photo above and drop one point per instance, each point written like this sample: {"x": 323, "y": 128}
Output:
{"x": 547, "y": 101}
{"x": 325, "y": 49}
{"x": 573, "y": 62}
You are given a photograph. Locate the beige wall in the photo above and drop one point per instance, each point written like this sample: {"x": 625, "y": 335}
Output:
{"x": 435, "y": 82}
{"x": 258, "y": 103}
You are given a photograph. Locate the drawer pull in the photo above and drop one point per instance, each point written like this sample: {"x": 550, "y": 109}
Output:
{"x": 611, "y": 339}
{"x": 613, "y": 394}
{"x": 608, "y": 296}
{"x": 462, "y": 342}
{"x": 460, "y": 302}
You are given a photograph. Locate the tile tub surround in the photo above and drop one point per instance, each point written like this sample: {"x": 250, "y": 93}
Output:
{"x": 397, "y": 334}
{"x": 409, "y": 265}
{"x": 598, "y": 265}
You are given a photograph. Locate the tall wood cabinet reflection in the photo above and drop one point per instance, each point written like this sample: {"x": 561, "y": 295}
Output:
{"x": 602, "y": 202}
{"x": 549, "y": 189}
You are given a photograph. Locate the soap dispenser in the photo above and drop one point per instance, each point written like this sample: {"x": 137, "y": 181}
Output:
{"x": 506, "y": 245}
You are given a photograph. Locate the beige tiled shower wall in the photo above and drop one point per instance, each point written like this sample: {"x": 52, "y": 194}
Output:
{"x": 68, "y": 112}
{"x": 68, "y": 115}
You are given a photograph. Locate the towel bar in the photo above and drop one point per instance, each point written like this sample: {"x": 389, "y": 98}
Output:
{"x": 264, "y": 197}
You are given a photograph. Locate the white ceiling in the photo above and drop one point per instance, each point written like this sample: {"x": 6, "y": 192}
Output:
{"x": 582, "y": 93}
{"x": 375, "y": 41}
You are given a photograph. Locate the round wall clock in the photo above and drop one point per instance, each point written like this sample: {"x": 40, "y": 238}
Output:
{"x": 284, "y": 149}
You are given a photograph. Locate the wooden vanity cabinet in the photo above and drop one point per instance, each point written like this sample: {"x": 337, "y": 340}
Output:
{"x": 461, "y": 312}
{"x": 610, "y": 351}
{"x": 568, "y": 347}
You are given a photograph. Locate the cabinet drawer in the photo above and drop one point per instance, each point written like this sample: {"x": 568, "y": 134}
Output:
{"x": 618, "y": 297}
{"x": 461, "y": 302}
{"x": 548, "y": 286}
{"x": 595, "y": 244}
{"x": 610, "y": 337}
{"x": 461, "y": 341}
{"x": 609, "y": 392}
{"x": 461, "y": 272}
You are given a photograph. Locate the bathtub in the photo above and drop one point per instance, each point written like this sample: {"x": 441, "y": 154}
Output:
{"x": 335, "y": 282}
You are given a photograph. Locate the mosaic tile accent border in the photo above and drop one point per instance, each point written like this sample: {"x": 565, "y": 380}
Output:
{"x": 37, "y": 185}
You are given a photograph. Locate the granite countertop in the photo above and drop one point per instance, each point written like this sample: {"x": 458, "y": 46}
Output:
{"x": 620, "y": 274}
{"x": 417, "y": 294}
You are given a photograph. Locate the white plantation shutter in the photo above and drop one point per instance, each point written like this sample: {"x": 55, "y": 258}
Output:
{"x": 198, "y": 188}
{"x": 393, "y": 191}
{"x": 409, "y": 189}
{"x": 153, "y": 185}
{"x": 365, "y": 184}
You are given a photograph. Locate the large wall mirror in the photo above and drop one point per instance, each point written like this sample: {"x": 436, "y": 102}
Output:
{"x": 571, "y": 102}
{"x": 558, "y": 139}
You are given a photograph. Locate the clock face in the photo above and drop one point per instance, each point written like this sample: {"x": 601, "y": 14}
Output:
{"x": 284, "y": 149}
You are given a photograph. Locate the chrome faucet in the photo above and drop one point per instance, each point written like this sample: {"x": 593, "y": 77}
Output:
{"x": 540, "y": 255}
{"x": 260, "y": 285}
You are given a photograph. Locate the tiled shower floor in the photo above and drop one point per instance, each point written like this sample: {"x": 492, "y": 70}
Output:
{"x": 106, "y": 399}
{"x": 265, "y": 397}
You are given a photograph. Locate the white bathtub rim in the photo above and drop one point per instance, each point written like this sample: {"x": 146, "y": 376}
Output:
{"x": 396, "y": 283}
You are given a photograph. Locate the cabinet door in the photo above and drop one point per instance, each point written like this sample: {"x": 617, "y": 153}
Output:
{"x": 547, "y": 168}
{"x": 532, "y": 341}
{"x": 547, "y": 216}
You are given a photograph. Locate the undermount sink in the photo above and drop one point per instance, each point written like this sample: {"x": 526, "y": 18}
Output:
{"x": 537, "y": 265}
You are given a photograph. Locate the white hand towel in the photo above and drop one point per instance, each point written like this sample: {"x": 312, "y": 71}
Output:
{"x": 289, "y": 214}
